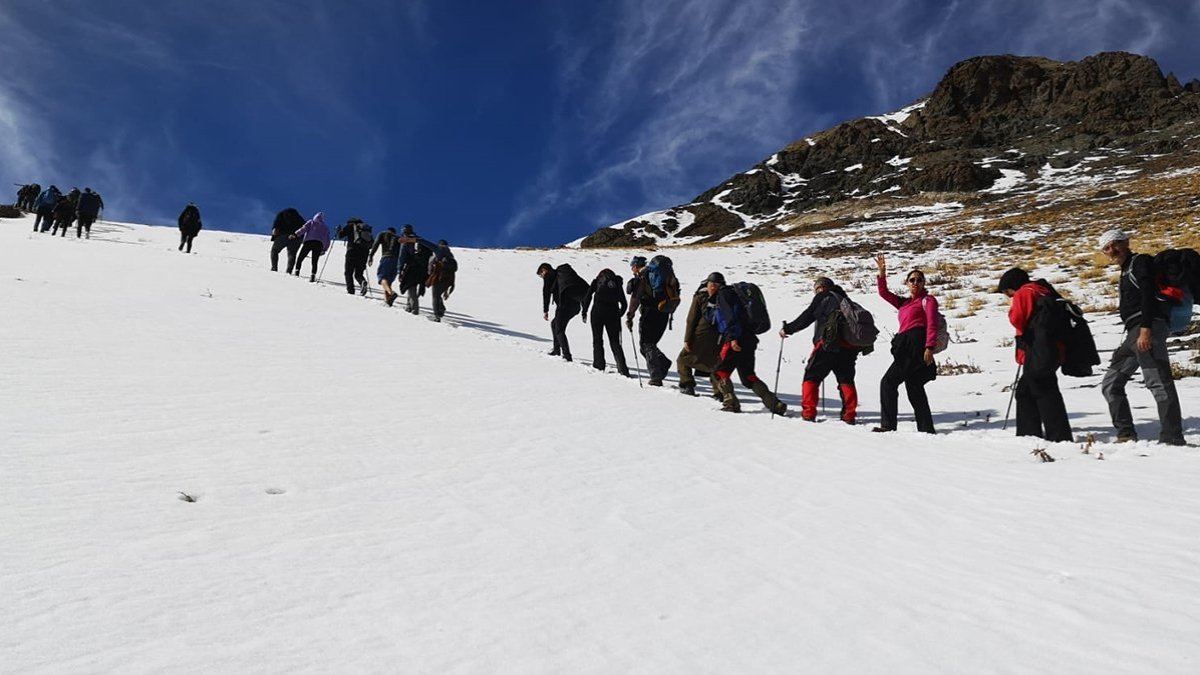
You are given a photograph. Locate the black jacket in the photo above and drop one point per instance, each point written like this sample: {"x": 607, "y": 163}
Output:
{"x": 607, "y": 289}
{"x": 1138, "y": 303}
{"x": 89, "y": 205}
{"x": 562, "y": 283}
{"x": 823, "y": 304}
{"x": 286, "y": 223}
{"x": 189, "y": 220}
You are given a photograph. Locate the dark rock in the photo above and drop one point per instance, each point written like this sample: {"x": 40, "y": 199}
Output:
{"x": 712, "y": 222}
{"x": 953, "y": 176}
{"x": 10, "y": 211}
{"x": 614, "y": 237}
{"x": 1105, "y": 194}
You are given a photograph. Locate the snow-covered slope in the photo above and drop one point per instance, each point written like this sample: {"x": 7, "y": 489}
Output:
{"x": 377, "y": 492}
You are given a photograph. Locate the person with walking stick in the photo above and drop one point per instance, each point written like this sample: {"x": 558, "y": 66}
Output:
{"x": 1040, "y": 408}
{"x": 830, "y": 353}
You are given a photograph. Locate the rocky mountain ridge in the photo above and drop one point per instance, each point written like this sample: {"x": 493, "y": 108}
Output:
{"x": 995, "y": 130}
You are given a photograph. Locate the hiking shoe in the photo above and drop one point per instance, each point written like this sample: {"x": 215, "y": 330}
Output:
{"x": 731, "y": 406}
{"x": 654, "y": 382}
{"x": 365, "y": 289}
{"x": 880, "y": 430}
{"x": 808, "y": 418}
{"x": 1173, "y": 441}
{"x": 554, "y": 352}
{"x": 780, "y": 409}
{"x": 567, "y": 358}
{"x": 625, "y": 373}
{"x": 1126, "y": 438}
{"x": 686, "y": 390}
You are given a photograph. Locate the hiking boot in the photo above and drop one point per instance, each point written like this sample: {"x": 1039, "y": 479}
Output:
{"x": 654, "y": 382}
{"x": 769, "y": 399}
{"x": 624, "y": 373}
{"x": 567, "y": 358}
{"x": 390, "y": 300}
{"x": 554, "y": 352}
{"x": 729, "y": 402}
{"x": 808, "y": 418}
{"x": 1127, "y": 438}
{"x": 312, "y": 278}
{"x": 780, "y": 409}
{"x": 687, "y": 389}
{"x": 881, "y": 430}
{"x": 365, "y": 289}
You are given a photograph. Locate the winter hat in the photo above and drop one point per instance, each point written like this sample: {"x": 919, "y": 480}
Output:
{"x": 353, "y": 220}
{"x": 443, "y": 242}
{"x": 716, "y": 277}
{"x": 407, "y": 229}
{"x": 544, "y": 267}
{"x": 392, "y": 230}
{"x": 637, "y": 261}
{"x": 1115, "y": 234}
{"x": 1013, "y": 279}
{"x": 823, "y": 281}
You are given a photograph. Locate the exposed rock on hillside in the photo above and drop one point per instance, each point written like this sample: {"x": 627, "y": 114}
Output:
{"x": 1000, "y": 124}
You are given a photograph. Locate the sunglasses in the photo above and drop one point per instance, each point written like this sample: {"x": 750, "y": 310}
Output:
{"x": 914, "y": 280}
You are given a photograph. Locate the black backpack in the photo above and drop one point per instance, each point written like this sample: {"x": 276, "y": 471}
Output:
{"x": 1057, "y": 319}
{"x": 1177, "y": 277}
{"x": 570, "y": 284}
{"x": 754, "y": 307}
{"x": 608, "y": 288}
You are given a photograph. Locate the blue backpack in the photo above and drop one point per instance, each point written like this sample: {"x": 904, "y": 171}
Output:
{"x": 664, "y": 286}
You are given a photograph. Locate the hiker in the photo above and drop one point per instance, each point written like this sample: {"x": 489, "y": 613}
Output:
{"x": 836, "y": 356}
{"x": 388, "y": 244}
{"x": 286, "y": 223}
{"x": 700, "y": 353}
{"x": 315, "y": 235}
{"x": 912, "y": 351}
{"x": 63, "y": 215}
{"x": 412, "y": 268}
{"x": 359, "y": 238}
{"x": 441, "y": 279}
{"x": 440, "y": 272}
{"x": 27, "y": 195}
{"x": 1144, "y": 345}
{"x": 189, "y": 225}
{"x": 654, "y": 290}
{"x": 86, "y": 211}
{"x": 1040, "y": 408}
{"x": 608, "y": 290}
{"x": 44, "y": 207}
{"x": 566, "y": 289}
{"x": 737, "y": 345}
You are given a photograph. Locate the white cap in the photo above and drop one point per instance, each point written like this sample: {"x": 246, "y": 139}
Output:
{"x": 1115, "y": 234}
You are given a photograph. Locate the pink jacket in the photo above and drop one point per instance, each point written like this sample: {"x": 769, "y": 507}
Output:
{"x": 917, "y": 311}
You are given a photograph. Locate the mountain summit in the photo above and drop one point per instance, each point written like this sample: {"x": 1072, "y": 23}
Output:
{"x": 993, "y": 126}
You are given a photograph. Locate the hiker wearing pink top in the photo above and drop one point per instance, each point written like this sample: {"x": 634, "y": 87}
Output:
{"x": 912, "y": 351}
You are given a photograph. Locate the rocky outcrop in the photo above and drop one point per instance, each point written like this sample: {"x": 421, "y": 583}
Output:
{"x": 10, "y": 211}
{"x": 986, "y": 114}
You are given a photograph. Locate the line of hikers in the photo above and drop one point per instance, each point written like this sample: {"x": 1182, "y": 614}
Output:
{"x": 724, "y": 321}
{"x": 418, "y": 264}
{"x": 56, "y": 211}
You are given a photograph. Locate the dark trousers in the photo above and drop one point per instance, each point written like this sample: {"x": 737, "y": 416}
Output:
{"x": 566, "y": 310}
{"x": 439, "y": 299}
{"x": 839, "y": 362}
{"x": 64, "y": 223}
{"x": 1156, "y": 375}
{"x": 652, "y": 324}
{"x": 908, "y": 368}
{"x": 84, "y": 223}
{"x": 742, "y": 362}
{"x": 356, "y": 268}
{"x": 1040, "y": 408}
{"x": 311, "y": 246}
{"x": 185, "y": 240}
{"x": 278, "y": 245}
{"x": 607, "y": 322}
{"x": 43, "y": 219}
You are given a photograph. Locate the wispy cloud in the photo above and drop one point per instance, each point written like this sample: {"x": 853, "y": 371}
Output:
{"x": 658, "y": 101}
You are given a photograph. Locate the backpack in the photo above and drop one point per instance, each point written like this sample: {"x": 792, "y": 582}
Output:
{"x": 942, "y": 341}
{"x": 570, "y": 284}
{"x": 441, "y": 272}
{"x": 664, "y": 285}
{"x": 363, "y": 236}
{"x": 850, "y": 324}
{"x": 754, "y": 307}
{"x": 1177, "y": 275}
{"x": 608, "y": 288}
{"x": 1061, "y": 320}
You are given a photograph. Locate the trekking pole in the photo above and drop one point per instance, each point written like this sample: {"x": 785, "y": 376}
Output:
{"x": 1012, "y": 393}
{"x": 636, "y": 366}
{"x": 322, "y": 272}
{"x": 778, "y": 366}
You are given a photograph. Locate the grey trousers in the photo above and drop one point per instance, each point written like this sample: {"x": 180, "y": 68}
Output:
{"x": 1156, "y": 375}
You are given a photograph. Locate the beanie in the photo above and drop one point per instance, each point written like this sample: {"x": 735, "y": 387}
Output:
{"x": 1115, "y": 234}
{"x": 716, "y": 277}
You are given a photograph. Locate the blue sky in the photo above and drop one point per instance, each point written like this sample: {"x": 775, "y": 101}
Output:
{"x": 486, "y": 123}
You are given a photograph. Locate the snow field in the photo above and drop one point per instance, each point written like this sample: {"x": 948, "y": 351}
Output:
{"x": 376, "y": 492}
